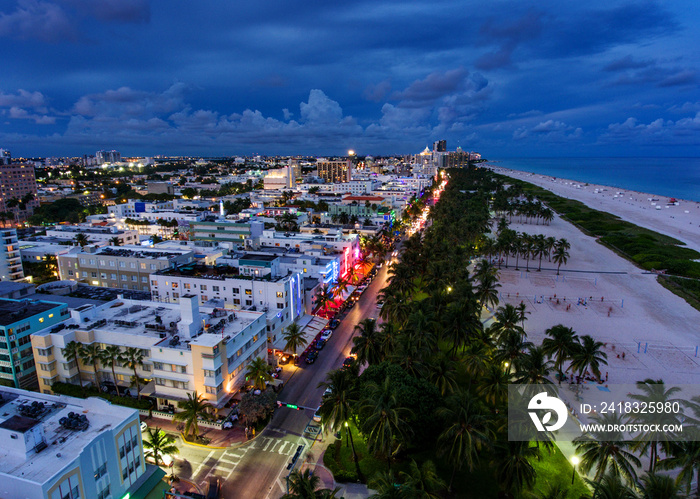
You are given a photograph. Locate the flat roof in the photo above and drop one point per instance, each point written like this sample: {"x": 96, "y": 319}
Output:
{"x": 214, "y": 272}
{"x": 64, "y": 445}
{"x": 259, "y": 258}
{"x": 12, "y": 311}
{"x": 138, "y": 252}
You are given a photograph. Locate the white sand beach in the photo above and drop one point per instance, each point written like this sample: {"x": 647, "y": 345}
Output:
{"x": 681, "y": 221}
{"x": 603, "y": 295}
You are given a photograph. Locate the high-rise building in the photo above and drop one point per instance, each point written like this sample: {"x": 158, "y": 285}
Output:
{"x": 5, "y": 157}
{"x": 103, "y": 157}
{"x": 58, "y": 447}
{"x": 334, "y": 171}
{"x": 18, "y": 193}
{"x": 10, "y": 257}
{"x": 440, "y": 146}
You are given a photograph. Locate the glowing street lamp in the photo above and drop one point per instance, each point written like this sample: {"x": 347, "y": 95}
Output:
{"x": 574, "y": 460}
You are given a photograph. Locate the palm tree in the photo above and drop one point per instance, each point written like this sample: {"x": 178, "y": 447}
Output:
{"x": 611, "y": 486}
{"x": 685, "y": 455}
{"x": 589, "y": 354}
{"x": 466, "y": 432}
{"x": 385, "y": 420}
{"x": 337, "y": 408}
{"x": 115, "y": 241}
{"x": 258, "y": 372}
{"x": 323, "y": 297}
{"x": 534, "y": 367}
{"x": 507, "y": 318}
{"x": 158, "y": 443}
{"x": 487, "y": 291}
{"x": 540, "y": 249}
{"x": 340, "y": 287}
{"x": 442, "y": 372}
{"x": 514, "y": 467}
{"x": 305, "y": 485}
{"x": 561, "y": 345}
{"x": 561, "y": 253}
{"x": 654, "y": 392}
{"x": 655, "y": 486}
{"x": 91, "y": 355}
{"x": 81, "y": 239}
{"x": 606, "y": 450}
{"x": 112, "y": 354}
{"x": 385, "y": 483}
{"x": 367, "y": 345}
{"x": 194, "y": 408}
{"x": 294, "y": 338}
{"x": 132, "y": 358}
{"x": 73, "y": 352}
{"x": 423, "y": 481}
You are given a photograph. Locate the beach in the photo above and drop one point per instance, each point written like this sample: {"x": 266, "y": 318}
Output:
{"x": 681, "y": 221}
{"x": 601, "y": 294}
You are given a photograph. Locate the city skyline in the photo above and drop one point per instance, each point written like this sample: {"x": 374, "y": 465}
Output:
{"x": 604, "y": 78}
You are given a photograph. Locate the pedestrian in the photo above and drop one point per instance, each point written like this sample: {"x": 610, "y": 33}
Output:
{"x": 623, "y": 355}
{"x": 606, "y": 375}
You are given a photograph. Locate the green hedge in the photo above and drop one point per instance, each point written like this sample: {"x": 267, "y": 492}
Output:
{"x": 71, "y": 390}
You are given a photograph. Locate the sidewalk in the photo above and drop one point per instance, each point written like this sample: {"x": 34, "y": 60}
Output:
{"x": 219, "y": 438}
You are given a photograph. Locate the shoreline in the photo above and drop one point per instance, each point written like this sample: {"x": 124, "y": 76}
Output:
{"x": 680, "y": 221}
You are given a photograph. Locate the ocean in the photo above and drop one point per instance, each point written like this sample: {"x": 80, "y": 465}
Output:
{"x": 672, "y": 177}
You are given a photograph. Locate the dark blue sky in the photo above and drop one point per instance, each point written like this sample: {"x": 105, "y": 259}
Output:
{"x": 547, "y": 78}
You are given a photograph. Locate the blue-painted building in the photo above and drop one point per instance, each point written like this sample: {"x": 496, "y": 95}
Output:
{"x": 18, "y": 320}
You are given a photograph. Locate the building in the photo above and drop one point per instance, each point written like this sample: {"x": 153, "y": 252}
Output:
{"x": 133, "y": 208}
{"x": 18, "y": 192}
{"x": 10, "y": 256}
{"x": 5, "y": 157}
{"x": 160, "y": 188}
{"x": 224, "y": 231}
{"x": 281, "y": 178}
{"x": 100, "y": 236}
{"x": 440, "y": 146}
{"x": 37, "y": 251}
{"x": 256, "y": 283}
{"x": 58, "y": 447}
{"x": 185, "y": 348}
{"x": 334, "y": 171}
{"x": 18, "y": 320}
{"x": 105, "y": 157}
{"x": 125, "y": 267}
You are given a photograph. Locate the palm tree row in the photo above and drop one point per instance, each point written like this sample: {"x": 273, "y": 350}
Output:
{"x": 510, "y": 243}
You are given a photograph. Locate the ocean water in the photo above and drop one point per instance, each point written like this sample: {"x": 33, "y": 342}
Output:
{"x": 672, "y": 177}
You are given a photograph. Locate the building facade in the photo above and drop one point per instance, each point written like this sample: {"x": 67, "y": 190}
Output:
{"x": 19, "y": 319}
{"x": 10, "y": 256}
{"x": 100, "y": 236}
{"x": 58, "y": 447}
{"x": 225, "y": 231}
{"x": 334, "y": 171}
{"x": 18, "y": 184}
{"x": 125, "y": 267}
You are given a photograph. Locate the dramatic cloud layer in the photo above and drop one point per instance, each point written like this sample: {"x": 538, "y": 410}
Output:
{"x": 505, "y": 78}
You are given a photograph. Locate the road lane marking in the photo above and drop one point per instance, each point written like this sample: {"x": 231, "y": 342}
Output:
{"x": 201, "y": 465}
{"x": 284, "y": 444}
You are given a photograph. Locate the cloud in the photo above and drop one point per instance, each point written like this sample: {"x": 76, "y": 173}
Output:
{"x": 320, "y": 109}
{"x": 122, "y": 11}
{"x": 23, "y": 98}
{"x": 378, "y": 92}
{"x": 681, "y": 78}
{"x": 658, "y": 131}
{"x": 18, "y": 113}
{"x": 508, "y": 35}
{"x": 550, "y": 130}
{"x": 126, "y": 102}
{"x": 38, "y": 20}
{"x": 625, "y": 63}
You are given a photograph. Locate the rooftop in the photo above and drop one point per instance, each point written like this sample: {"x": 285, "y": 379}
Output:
{"x": 140, "y": 252}
{"x": 63, "y": 444}
{"x": 12, "y": 311}
{"x": 218, "y": 272}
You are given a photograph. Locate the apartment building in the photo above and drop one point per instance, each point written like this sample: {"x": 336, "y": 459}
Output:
{"x": 58, "y": 447}
{"x": 125, "y": 267}
{"x": 10, "y": 256}
{"x": 255, "y": 284}
{"x": 334, "y": 171}
{"x": 19, "y": 319}
{"x": 17, "y": 182}
{"x": 324, "y": 268}
{"x": 185, "y": 347}
{"x": 225, "y": 231}
{"x": 100, "y": 236}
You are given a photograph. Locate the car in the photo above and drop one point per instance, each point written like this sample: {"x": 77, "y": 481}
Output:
{"x": 311, "y": 357}
{"x": 319, "y": 344}
{"x": 326, "y": 334}
{"x": 328, "y": 391}
{"x": 144, "y": 426}
{"x": 214, "y": 489}
{"x": 348, "y": 362}
{"x": 334, "y": 323}
{"x": 317, "y": 415}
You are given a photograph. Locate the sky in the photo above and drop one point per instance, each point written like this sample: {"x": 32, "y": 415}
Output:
{"x": 223, "y": 78}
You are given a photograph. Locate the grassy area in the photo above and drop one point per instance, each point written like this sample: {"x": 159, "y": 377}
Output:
{"x": 648, "y": 249}
{"x": 338, "y": 458}
{"x": 554, "y": 469}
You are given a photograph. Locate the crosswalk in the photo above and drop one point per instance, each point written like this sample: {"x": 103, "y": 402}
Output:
{"x": 226, "y": 464}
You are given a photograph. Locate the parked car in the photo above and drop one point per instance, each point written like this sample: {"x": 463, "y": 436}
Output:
{"x": 334, "y": 323}
{"x": 214, "y": 490}
{"x": 144, "y": 426}
{"x": 326, "y": 334}
{"x": 348, "y": 362}
{"x": 328, "y": 391}
{"x": 311, "y": 357}
{"x": 319, "y": 344}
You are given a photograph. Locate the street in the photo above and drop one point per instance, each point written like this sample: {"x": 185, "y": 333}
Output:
{"x": 258, "y": 468}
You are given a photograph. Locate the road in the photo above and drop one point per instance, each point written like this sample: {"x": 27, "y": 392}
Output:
{"x": 258, "y": 469}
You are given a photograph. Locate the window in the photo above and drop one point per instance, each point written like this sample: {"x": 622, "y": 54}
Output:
{"x": 176, "y": 295}
{"x": 70, "y": 272}
{"x": 85, "y": 274}
{"x": 215, "y": 288}
{"x": 144, "y": 279}
{"x": 236, "y": 291}
{"x": 113, "y": 277}
{"x": 103, "y": 275}
{"x": 133, "y": 265}
{"x": 153, "y": 266}
{"x": 93, "y": 274}
{"x": 112, "y": 263}
{"x": 122, "y": 264}
{"x": 124, "y": 277}
{"x": 236, "y": 301}
{"x": 249, "y": 292}
{"x": 280, "y": 305}
{"x": 203, "y": 287}
{"x": 44, "y": 352}
{"x": 92, "y": 261}
{"x": 143, "y": 266}
{"x": 280, "y": 294}
{"x": 187, "y": 285}
{"x": 154, "y": 283}
{"x": 82, "y": 260}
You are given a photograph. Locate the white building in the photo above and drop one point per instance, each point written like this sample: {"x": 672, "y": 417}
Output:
{"x": 100, "y": 236}
{"x": 10, "y": 258}
{"x": 58, "y": 447}
{"x": 185, "y": 348}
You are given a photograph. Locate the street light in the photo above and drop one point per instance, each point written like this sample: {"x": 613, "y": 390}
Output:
{"x": 574, "y": 460}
